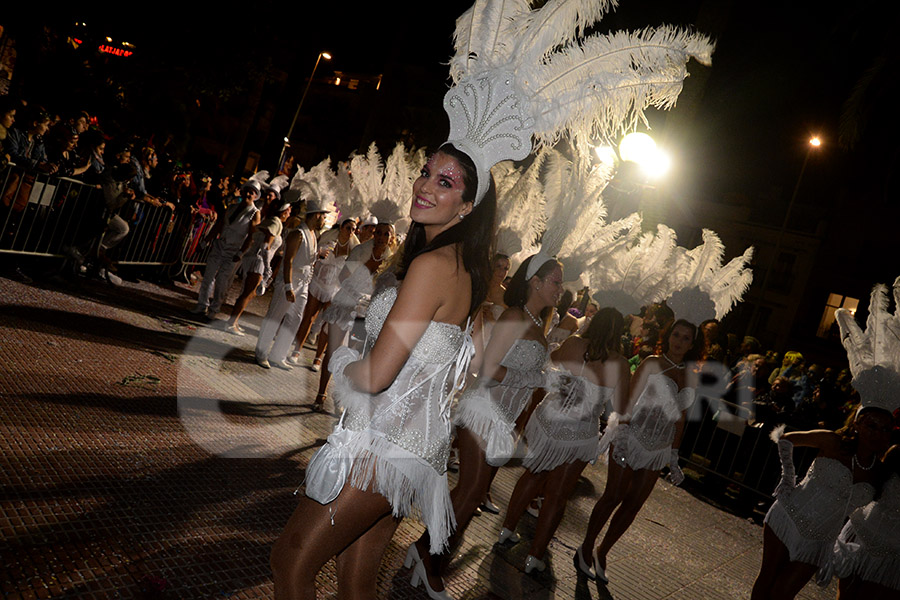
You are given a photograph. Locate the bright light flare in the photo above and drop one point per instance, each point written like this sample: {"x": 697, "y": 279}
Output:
{"x": 326, "y": 56}
{"x": 657, "y": 164}
{"x": 606, "y": 155}
{"x": 641, "y": 148}
{"x": 815, "y": 141}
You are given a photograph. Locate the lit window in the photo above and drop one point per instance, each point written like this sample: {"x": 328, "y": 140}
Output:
{"x": 834, "y": 302}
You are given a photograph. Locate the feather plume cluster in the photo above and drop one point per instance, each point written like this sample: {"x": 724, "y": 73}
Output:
{"x": 634, "y": 270}
{"x": 874, "y": 354}
{"x": 520, "y": 205}
{"x": 574, "y": 211}
{"x": 581, "y": 86}
{"x": 704, "y": 288}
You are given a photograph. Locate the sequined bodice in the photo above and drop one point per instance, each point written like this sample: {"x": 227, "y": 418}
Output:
{"x": 657, "y": 410}
{"x": 414, "y": 412}
{"x": 877, "y": 524}
{"x": 572, "y": 408}
{"x": 438, "y": 344}
{"x": 523, "y": 357}
{"x": 827, "y": 494}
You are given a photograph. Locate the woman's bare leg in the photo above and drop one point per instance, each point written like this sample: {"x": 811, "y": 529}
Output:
{"x": 642, "y": 482}
{"x": 358, "y": 565}
{"x": 559, "y": 485}
{"x": 309, "y": 539}
{"x": 337, "y": 338}
{"x": 775, "y": 558}
{"x": 321, "y": 346}
{"x": 527, "y": 487}
{"x": 251, "y": 282}
{"x": 617, "y": 480}
{"x": 310, "y": 312}
{"x": 474, "y": 479}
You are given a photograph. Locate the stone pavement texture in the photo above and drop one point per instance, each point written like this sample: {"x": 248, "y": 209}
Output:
{"x": 144, "y": 455}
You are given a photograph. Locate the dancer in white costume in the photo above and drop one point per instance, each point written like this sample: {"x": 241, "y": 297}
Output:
{"x": 867, "y": 554}
{"x": 512, "y": 368}
{"x": 387, "y": 457}
{"x": 804, "y": 523}
{"x": 352, "y": 298}
{"x": 256, "y": 262}
{"x": 326, "y": 280}
{"x": 232, "y": 236}
{"x": 285, "y": 312}
{"x": 589, "y": 373}
{"x": 645, "y": 439}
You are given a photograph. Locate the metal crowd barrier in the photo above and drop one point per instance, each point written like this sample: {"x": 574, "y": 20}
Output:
{"x": 727, "y": 447}
{"x": 41, "y": 214}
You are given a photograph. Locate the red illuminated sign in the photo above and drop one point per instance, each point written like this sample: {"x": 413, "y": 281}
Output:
{"x": 115, "y": 51}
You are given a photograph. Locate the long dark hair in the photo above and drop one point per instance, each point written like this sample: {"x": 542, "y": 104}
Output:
{"x": 474, "y": 234}
{"x": 516, "y": 293}
{"x": 697, "y": 346}
{"x": 604, "y": 334}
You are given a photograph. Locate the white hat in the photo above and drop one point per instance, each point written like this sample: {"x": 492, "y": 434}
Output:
{"x": 252, "y": 184}
{"x": 316, "y": 206}
{"x": 370, "y": 220}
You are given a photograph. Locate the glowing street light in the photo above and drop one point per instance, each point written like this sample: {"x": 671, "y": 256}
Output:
{"x": 321, "y": 55}
{"x": 815, "y": 142}
{"x": 640, "y": 148}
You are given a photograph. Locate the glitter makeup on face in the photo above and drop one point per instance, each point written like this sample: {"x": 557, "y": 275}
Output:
{"x": 450, "y": 170}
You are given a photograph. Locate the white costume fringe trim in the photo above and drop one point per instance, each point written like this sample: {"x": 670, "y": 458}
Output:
{"x": 800, "y": 549}
{"x": 408, "y": 482}
{"x": 546, "y": 453}
{"x": 475, "y": 412}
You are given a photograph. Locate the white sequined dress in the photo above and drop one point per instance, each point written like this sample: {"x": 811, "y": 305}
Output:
{"x": 490, "y": 411}
{"x": 869, "y": 543}
{"x": 565, "y": 426}
{"x": 646, "y": 441}
{"x": 808, "y": 518}
{"x": 352, "y": 298}
{"x": 398, "y": 441}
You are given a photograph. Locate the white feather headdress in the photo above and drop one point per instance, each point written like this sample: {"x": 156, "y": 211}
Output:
{"x": 318, "y": 184}
{"x": 574, "y": 213}
{"x": 703, "y": 288}
{"x": 634, "y": 270}
{"x": 874, "y": 354}
{"x": 520, "y": 205}
{"x": 521, "y": 72}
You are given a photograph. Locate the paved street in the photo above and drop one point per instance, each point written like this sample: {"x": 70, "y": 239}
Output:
{"x": 144, "y": 455}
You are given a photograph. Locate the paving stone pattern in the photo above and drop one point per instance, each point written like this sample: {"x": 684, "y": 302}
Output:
{"x": 145, "y": 455}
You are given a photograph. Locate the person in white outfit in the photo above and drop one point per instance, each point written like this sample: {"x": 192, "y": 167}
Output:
{"x": 231, "y": 238}
{"x": 279, "y": 326}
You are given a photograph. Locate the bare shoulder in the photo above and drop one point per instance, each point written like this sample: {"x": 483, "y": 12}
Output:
{"x": 438, "y": 263}
{"x": 511, "y": 314}
{"x": 651, "y": 364}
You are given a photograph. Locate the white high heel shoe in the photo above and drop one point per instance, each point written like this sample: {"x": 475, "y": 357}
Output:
{"x": 420, "y": 576}
{"x": 582, "y": 567}
{"x": 600, "y": 571}
{"x": 508, "y": 535}
{"x": 412, "y": 557}
{"x": 534, "y": 564}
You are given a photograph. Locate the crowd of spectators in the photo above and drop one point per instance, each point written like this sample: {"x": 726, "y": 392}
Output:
{"x": 132, "y": 173}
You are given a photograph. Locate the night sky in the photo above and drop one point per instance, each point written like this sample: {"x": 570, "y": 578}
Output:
{"x": 780, "y": 72}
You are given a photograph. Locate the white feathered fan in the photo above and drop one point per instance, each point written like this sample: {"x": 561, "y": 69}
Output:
{"x": 633, "y": 271}
{"x": 584, "y": 87}
{"x": 702, "y": 287}
{"x": 520, "y": 207}
{"x": 874, "y": 354}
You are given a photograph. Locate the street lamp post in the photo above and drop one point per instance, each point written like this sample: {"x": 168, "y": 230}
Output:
{"x": 287, "y": 138}
{"x": 814, "y": 143}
